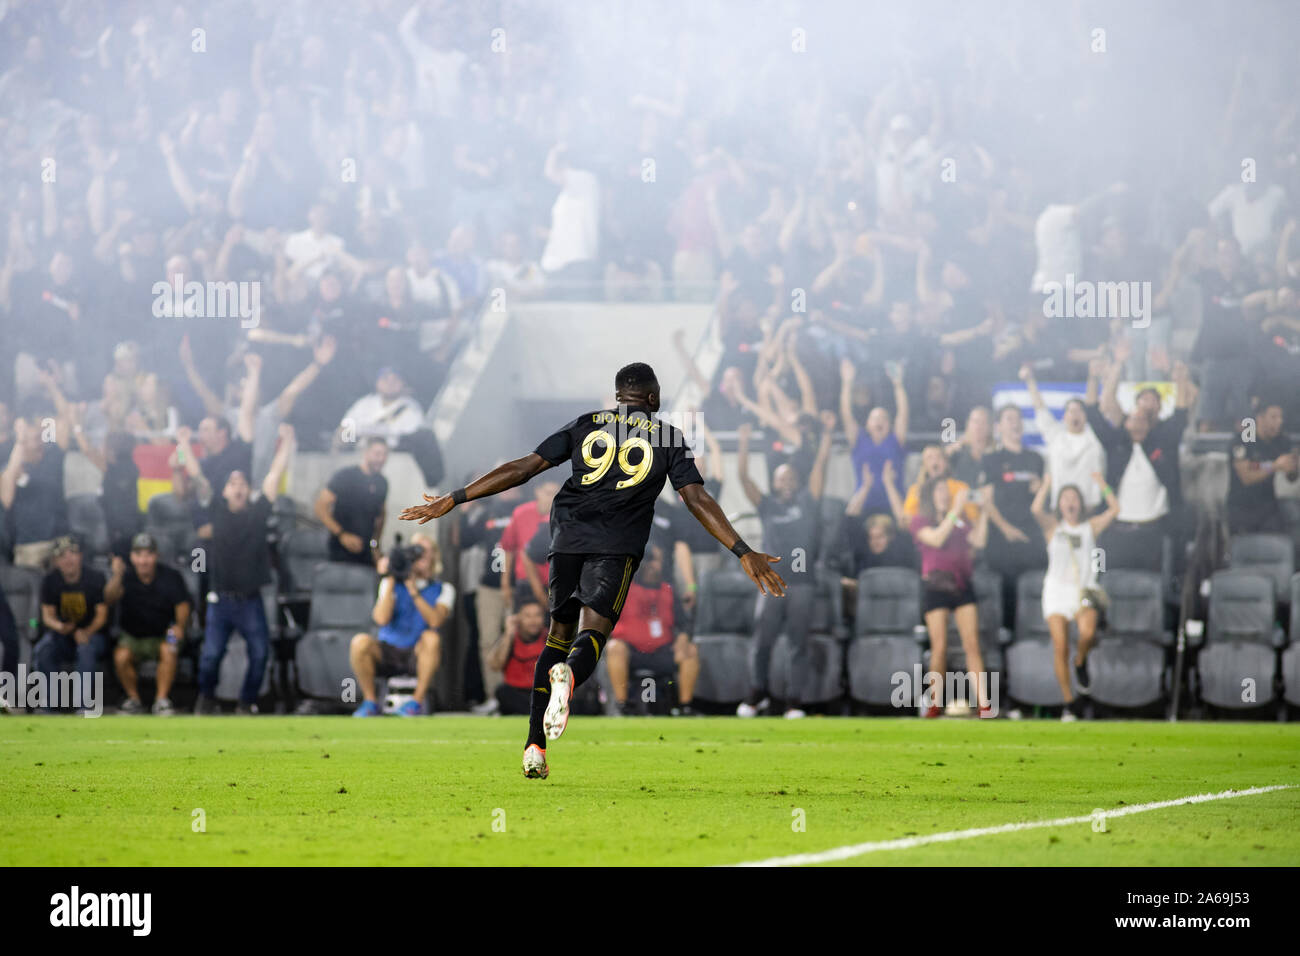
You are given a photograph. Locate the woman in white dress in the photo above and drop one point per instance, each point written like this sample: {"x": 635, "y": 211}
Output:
{"x": 1070, "y": 587}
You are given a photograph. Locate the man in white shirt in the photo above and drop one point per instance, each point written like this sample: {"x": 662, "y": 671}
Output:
{"x": 393, "y": 415}
{"x": 1142, "y": 467}
{"x": 1074, "y": 453}
{"x": 315, "y": 249}
{"x": 575, "y": 218}
{"x": 1252, "y": 210}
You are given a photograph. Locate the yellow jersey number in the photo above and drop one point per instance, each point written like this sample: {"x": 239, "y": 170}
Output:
{"x": 601, "y": 463}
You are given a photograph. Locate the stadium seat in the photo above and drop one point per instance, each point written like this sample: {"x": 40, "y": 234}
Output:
{"x": 86, "y": 519}
{"x": 300, "y": 552}
{"x": 1237, "y": 662}
{"x": 832, "y": 511}
{"x": 22, "y": 589}
{"x": 172, "y": 523}
{"x": 825, "y": 647}
{"x": 344, "y": 598}
{"x": 1291, "y": 656}
{"x": 884, "y": 640}
{"x": 1271, "y": 555}
{"x": 1030, "y": 660}
{"x": 1129, "y": 666}
{"x": 724, "y": 635}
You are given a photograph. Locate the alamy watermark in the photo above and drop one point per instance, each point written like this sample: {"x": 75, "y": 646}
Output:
{"x": 1083, "y": 299}
{"x": 37, "y": 690}
{"x": 930, "y": 688}
{"x": 179, "y": 299}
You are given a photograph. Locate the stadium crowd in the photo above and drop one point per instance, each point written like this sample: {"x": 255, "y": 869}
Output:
{"x": 889, "y": 242}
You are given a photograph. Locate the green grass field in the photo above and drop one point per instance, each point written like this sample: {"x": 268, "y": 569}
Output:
{"x": 447, "y": 790}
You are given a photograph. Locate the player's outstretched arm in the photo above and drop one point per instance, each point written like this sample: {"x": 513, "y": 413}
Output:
{"x": 497, "y": 480}
{"x": 756, "y": 564}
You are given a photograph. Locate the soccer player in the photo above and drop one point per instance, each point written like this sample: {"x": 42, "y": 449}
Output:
{"x": 600, "y": 521}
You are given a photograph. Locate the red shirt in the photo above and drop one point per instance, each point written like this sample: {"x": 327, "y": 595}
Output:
{"x": 523, "y": 661}
{"x": 646, "y": 623}
{"x": 524, "y": 522}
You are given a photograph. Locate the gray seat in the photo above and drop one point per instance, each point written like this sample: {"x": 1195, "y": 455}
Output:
{"x": 1237, "y": 662}
{"x": 825, "y": 648}
{"x": 343, "y": 597}
{"x": 724, "y": 635}
{"x": 86, "y": 519}
{"x": 831, "y": 512}
{"x": 1291, "y": 656}
{"x": 300, "y": 552}
{"x": 1270, "y": 555}
{"x": 884, "y": 639}
{"x": 1030, "y": 658}
{"x": 171, "y": 522}
{"x": 22, "y": 589}
{"x": 1129, "y": 666}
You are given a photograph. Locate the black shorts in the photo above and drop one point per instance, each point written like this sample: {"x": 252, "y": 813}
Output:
{"x": 597, "y": 581}
{"x": 395, "y": 661}
{"x": 934, "y": 599}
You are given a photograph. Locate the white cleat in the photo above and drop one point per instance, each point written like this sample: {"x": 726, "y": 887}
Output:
{"x": 794, "y": 713}
{"x": 535, "y": 763}
{"x": 557, "y": 711}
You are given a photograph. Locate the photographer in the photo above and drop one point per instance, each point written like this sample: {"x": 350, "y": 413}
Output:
{"x": 411, "y": 606}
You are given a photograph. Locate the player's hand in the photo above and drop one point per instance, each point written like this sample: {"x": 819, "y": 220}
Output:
{"x": 435, "y": 508}
{"x": 352, "y": 542}
{"x": 756, "y": 565}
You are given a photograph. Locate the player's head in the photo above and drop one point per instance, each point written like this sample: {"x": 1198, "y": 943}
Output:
{"x": 637, "y": 384}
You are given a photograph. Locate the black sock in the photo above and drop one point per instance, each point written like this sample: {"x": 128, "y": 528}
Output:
{"x": 587, "y": 648}
{"x": 553, "y": 653}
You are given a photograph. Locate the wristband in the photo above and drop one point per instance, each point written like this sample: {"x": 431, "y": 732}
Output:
{"x": 740, "y": 549}
{"x": 1106, "y": 491}
{"x": 459, "y": 496}
{"x": 953, "y": 515}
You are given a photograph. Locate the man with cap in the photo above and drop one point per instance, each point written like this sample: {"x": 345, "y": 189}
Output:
{"x": 155, "y": 608}
{"x": 391, "y": 413}
{"x": 73, "y": 614}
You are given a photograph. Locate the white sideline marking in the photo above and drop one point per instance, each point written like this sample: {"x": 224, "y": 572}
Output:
{"x": 906, "y": 843}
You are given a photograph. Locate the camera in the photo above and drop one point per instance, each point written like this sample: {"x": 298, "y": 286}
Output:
{"x": 401, "y": 558}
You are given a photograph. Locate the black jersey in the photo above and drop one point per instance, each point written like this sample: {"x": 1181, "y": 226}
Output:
{"x": 621, "y": 459}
